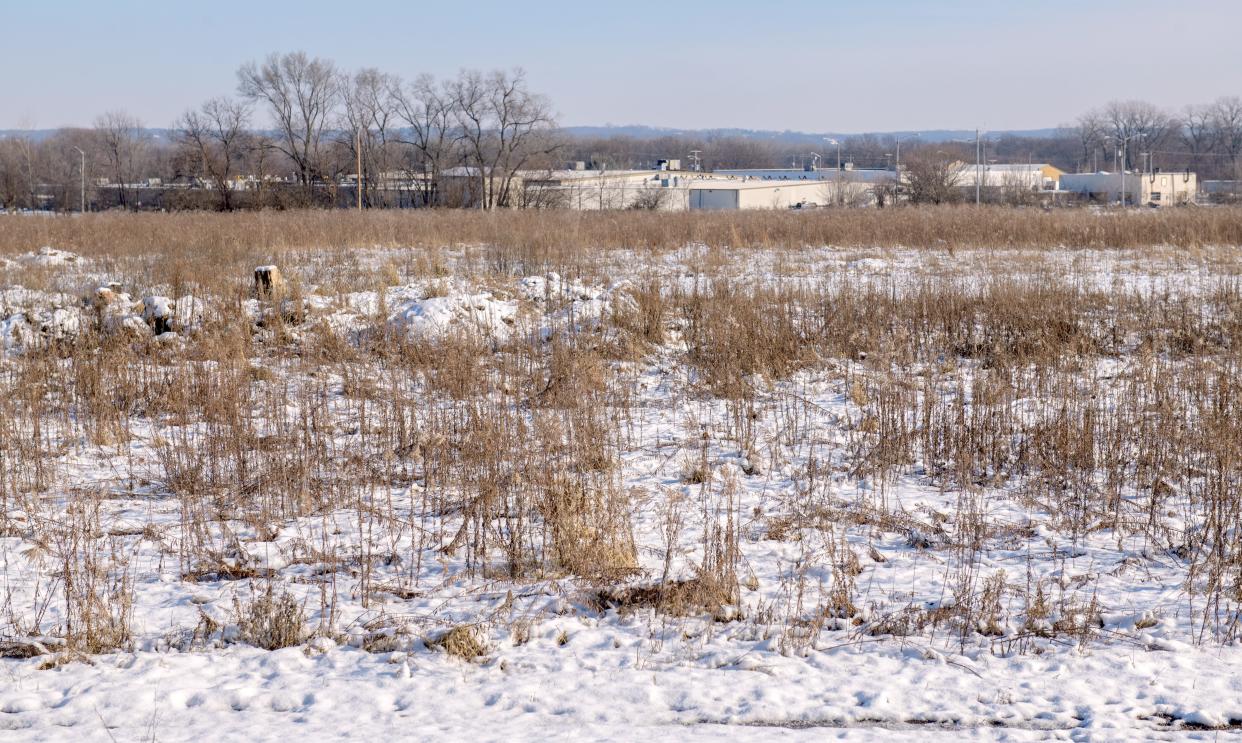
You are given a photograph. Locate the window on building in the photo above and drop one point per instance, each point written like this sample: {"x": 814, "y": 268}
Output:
{"x": 1155, "y": 196}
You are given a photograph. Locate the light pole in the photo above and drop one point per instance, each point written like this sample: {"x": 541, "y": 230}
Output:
{"x": 1124, "y": 141}
{"x": 978, "y": 165}
{"x": 837, "y": 193}
{"x": 897, "y": 168}
{"x": 83, "y": 154}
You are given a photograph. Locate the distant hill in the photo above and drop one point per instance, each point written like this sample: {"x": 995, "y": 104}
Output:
{"x": 39, "y": 135}
{"x": 640, "y": 131}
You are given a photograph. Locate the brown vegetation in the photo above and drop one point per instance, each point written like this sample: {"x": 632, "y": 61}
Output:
{"x": 236, "y": 240}
{"x": 1103, "y": 410}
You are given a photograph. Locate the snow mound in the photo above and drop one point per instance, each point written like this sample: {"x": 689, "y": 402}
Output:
{"x": 571, "y": 305}
{"x": 164, "y": 314}
{"x": 540, "y": 307}
{"x": 434, "y": 316}
{"x": 29, "y": 318}
{"x": 49, "y": 256}
{"x": 32, "y": 328}
{"x": 156, "y": 308}
{"x": 118, "y": 311}
{"x": 188, "y": 313}
{"x": 552, "y": 287}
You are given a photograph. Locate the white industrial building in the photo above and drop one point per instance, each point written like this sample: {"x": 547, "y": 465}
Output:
{"x": 669, "y": 189}
{"x": 1143, "y": 189}
{"x": 1012, "y": 176}
{"x": 847, "y": 173}
{"x": 607, "y": 189}
{"x": 750, "y": 193}
{"x": 579, "y": 188}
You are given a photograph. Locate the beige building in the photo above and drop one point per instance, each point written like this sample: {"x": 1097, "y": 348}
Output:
{"x": 575, "y": 188}
{"x": 1024, "y": 176}
{"x": 741, "y": 193}
{"x": 665, "y": 190}
{"x": 1142, "y": 189}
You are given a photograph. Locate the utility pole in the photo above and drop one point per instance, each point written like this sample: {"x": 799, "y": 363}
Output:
{"x": 358, "y": 180}
{"x": 897, "y": 169}
{"x": 694, "y": 156}
{"x": 977, "y": 171}
{"x": 1125, "y": 141}
{"x": 837, "y": 191}
{"x": 83, "y": 154}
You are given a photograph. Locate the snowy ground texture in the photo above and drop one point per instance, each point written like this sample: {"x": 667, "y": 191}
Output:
{"x": 845, "y": 619}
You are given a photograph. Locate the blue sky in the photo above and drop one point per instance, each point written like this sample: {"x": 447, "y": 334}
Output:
{"x": 806, "y": 65}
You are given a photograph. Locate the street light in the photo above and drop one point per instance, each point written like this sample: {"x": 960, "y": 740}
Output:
{"x": 897, "y": 167}
{"x": 1123, "y": 141}
{"x": 83, "y": 154}
{"x": 832, "y": 141}
{"x": 978, "y": 165}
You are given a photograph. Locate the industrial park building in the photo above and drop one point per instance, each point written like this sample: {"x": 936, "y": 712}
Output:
{"x": 1144, "y": 189}
{"x": 1012, "y": 176}
{"x": 718, "y": 193}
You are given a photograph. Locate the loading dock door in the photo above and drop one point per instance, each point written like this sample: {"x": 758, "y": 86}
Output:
{"x": 713, "y": 198}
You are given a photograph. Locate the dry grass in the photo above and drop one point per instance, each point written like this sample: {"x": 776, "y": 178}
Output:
{"x": 271, "y": 620}
{"x": 464, "y": 641}
{"x": 185, "y": 239}
{"x": 513, "y": 453}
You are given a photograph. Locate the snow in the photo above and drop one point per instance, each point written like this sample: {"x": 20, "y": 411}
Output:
{"x": 480, "y": 314}
{"x": 48, "y": 257}
{"x": 29, "y": 317}
{"x": 156, "y": 308}
{"x": 558, "y": 667}
{"x": 434, "y": 310}
{"x": 587, "y": 688}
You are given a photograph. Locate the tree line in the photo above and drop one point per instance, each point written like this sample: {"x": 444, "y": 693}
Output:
{"x": 299, "y": 131}
{"x": 296, "y": 128}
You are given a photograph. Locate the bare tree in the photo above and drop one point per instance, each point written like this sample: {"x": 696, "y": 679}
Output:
{"x": 1091, "y": 130}
{"x": 369, "y": 116}
{"x": 14, "y": 188}
{"x": 18, "y": 173}
{"x": 121, "y": 139}
{"x": 301, "y": 94}
{"x": 653, "y": 198}
{"x": 259, "y": 158}
{"x": 1141, "y": 125}
{"x": 426, "y": 108}
{"x": 503, "y": 126}
{"x": 848, "y": 193}
{"x": 931, "y": 177}
{"x": 1198, "y": 132}
{"x": 1227, "y": 128}
{"x": 216, "y": 137}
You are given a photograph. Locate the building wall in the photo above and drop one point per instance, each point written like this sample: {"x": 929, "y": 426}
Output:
{"x": 1103, "y": 187}
{"x": 1052, "y": 174}
{"x": 714, "y": 198}
{"x": 1169, "y": 189}
{"x": 1141, "y": 188}
{"x": 772, "y": 194}
{"x": 1034, "y": 177}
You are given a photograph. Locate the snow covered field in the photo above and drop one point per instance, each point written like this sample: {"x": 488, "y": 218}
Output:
{"x": 767, "y": 494}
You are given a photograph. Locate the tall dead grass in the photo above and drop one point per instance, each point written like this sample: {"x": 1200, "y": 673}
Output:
{"x": 185, "y": 240}
{"x": 1102, "y": 409}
